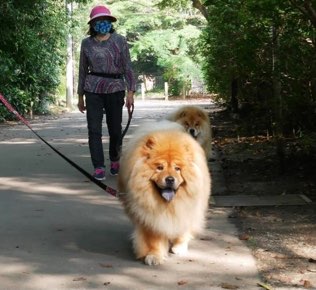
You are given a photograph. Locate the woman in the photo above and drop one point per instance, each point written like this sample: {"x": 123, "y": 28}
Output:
{"x": 105, "y": 73}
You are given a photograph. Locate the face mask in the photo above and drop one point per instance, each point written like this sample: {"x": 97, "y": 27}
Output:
{"x": 102, "y": 26}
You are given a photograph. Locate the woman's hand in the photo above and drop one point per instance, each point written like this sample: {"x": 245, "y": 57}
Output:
{"x": 129, "y": 99}
{"x": 81, "y": 104}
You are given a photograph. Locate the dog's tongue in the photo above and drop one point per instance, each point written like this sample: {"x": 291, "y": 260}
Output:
{"x": 167, "y": 194}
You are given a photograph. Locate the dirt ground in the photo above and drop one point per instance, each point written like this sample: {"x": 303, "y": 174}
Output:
{"x": 282, "y": 238}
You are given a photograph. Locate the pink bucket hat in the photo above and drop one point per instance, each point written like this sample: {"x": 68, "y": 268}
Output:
{"x": 99, "y": 11}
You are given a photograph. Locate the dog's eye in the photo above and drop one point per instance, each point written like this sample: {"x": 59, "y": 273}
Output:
{"x": 177, "y": 168}
{"x": 159, "y": 167}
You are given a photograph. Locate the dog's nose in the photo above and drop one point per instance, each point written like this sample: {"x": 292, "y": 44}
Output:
{"x": 191, "y": 131}
{"x": 169, "y": 180}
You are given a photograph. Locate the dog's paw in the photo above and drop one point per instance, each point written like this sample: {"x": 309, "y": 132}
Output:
{"x": 153, "y": 260}
{"x": 180, "y": 249}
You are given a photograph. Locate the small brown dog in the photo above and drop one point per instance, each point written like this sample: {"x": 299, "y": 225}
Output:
{"x": 196, "y": 122}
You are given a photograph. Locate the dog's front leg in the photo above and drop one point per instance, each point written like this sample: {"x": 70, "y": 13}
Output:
{"x": 152, "y": 248}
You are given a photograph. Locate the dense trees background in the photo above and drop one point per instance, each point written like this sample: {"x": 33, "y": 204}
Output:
{"x": 31, "y": 52}
{"x": 269, "y": 68}
{"x": 257, "y": 57}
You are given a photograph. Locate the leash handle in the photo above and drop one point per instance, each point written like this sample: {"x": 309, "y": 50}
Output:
{"x": 106, "y": 188}
{"x": 130, "y": 110}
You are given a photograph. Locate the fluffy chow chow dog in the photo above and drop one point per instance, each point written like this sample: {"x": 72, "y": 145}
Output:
{"x": 165, "y": 186}
{"x": 196, "y": 122}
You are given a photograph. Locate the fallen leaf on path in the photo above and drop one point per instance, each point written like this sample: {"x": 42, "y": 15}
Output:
{"x": 79, "y": 279}
{"x": 265, "y": 286}
{"x": 106, "y": 265}
{"x": 229, "y": 286}
{"x": 206, "y": 239}
{"x": 244, "y": 237}
{"x": 233, "y": 216}
{"x": 307, "y": 284}
{"x": 182, "y": 282}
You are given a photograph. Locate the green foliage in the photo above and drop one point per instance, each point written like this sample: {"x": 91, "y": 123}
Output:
{"x": 163, "y": 42}
{"x": 265, "y": 50}
{"x": 31, "y": 52}
{"x": 269, "y": 48}
{"x": 178, "y": 4}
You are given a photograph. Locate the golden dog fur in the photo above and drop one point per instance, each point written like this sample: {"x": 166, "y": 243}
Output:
{"x": 196, "y": 122}
{"x": 165, "y": 186}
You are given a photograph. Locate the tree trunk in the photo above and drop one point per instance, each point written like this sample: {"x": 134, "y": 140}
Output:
{"x": 166, "y": 91}
{"x": 69, "y": 66}
{"x": 306, "y": 7}
{"x": 234, "y": 94}
{"x": 198, "y": 5}
{"x": 276, "y": 83}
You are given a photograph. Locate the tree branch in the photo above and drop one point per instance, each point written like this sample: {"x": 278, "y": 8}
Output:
{"x": 307, "y": 9}
{"x": 198, "y": 5}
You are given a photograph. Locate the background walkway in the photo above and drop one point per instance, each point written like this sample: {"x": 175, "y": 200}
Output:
{"x": 59, "y": 231}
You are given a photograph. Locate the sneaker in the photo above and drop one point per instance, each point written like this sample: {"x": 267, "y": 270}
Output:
{"x": 115, "y": 166}
{"x": 99, "y": 173}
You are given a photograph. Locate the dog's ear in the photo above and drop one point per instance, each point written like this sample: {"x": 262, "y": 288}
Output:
{"x": 202, "y": 115}
{"x": 149, "y": 143}
{"x": 182, "y": 114}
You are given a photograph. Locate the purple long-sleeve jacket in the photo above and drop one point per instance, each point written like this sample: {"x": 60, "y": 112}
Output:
{"x": 112, "y": 57}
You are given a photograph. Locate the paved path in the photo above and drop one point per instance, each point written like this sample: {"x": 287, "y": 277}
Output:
{"x": 59, "y": 231}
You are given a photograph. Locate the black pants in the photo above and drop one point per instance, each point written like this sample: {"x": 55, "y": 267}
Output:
{"x": 112, "y": 105}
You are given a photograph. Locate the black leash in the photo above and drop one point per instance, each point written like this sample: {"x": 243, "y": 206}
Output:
{"x": 130, "y": 115}
{"x": 105, "y": 187}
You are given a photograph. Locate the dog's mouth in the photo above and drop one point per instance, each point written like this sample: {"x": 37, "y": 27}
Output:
{"x": 167, "y": 187}
{"x": 167, "y": 193}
